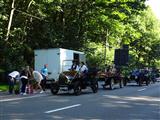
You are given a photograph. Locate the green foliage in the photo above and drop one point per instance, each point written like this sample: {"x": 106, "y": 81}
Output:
{"x": 95, "y": 55}
{"x": 80, "y": 25}
{"x": 146, "y": 45}
{"x": 3, "y": 87}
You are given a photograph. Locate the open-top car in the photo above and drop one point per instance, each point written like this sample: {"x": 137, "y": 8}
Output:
{"x": 111, "y": 79}
{"x": 70, "y": 80}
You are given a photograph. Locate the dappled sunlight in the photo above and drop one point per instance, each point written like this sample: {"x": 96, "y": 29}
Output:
{"x": 136, "y": 119}
{"x": 78, "y": 119}
{"x": 139, "y": 104}
{"x": 154, "y": 105}
{"x": 17, "y": 119}
{"x": 95, "y": 119}
{"x": 13, "y": 116}
{"x": 14, "y": 103}
{"x": 121, "y": 102}
{"x": 59, "y": 100}
{"x": 143, "y": 98}
{"x": 57, "y": 117}
{"x": 114, "y": 104}
{"x": 136, "y": 98}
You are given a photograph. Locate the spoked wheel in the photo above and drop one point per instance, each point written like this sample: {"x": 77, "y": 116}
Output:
{"x": 125, "y": 80}
{"x": 121, "y": 83}
{"x": 147, "y": 81}
{"x": 140, "y": 82}
{"x": 94, "y": 87}
{"x": 105, "y": 84}
{"x": 54, "y": 88}
{"x": 111, "y": 84}
{"x": 77, "y": 88}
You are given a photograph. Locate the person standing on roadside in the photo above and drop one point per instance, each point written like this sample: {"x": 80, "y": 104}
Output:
{"x": 12, "y": 77}
{"x": 38, "y": 78}
{"x": 44, "y": 73}
{"x": 24, "y": 76}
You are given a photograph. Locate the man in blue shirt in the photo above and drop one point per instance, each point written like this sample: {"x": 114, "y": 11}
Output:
{"x": 44, "y": 72}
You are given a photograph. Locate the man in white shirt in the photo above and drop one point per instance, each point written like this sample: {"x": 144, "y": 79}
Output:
{"x": 74, "y": 66}
{"x": 12, "y": 77}
{"x": 83, "y": 70}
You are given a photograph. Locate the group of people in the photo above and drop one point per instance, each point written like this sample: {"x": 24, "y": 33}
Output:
{"x": 26, "y": 78}
{"x": 82, "y": 69}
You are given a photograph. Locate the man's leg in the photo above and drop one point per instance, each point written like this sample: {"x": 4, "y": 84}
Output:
{"x": 43, "y": 83}
{"x": 11, "y": 85}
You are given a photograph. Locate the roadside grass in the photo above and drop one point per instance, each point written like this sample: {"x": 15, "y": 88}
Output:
{"x": 3, "y": 87}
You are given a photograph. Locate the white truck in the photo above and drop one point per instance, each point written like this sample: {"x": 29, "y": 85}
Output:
{"x": 58, "y": 60}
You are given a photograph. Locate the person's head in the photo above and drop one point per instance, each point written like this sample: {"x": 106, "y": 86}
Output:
{"x": 45, "y": 65}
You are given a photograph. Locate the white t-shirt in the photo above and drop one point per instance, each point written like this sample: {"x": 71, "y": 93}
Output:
{"x": 83, "y": 68}
{"x": 37, "y": 76}
{"x": 14, "y": 74}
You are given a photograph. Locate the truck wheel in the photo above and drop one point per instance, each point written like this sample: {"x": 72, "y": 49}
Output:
{"x": 111, "y": 84}
{"x": 94, "y": 87}
{"x": 54, "y": 89}
{"x": 77, "y": 88}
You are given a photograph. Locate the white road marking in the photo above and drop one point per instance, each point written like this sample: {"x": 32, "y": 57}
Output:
{"x": 21, "y": 98}
{"x": 142, "y": 89}
{"x": 59, "y": 109}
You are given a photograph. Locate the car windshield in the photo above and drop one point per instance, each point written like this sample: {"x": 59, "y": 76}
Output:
{"x": 66, "y": 65}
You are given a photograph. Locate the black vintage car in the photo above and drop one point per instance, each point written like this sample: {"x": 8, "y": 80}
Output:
{"x": 140, "y": 76}
{"x": 70, "y": 80}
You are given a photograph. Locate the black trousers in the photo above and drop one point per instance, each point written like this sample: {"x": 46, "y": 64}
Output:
{"x": 24, "y": 84}
{"x": 11, "y": 82}
{"x": 43, "y": 84}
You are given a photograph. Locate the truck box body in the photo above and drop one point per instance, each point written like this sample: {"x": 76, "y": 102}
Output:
{"x": 58, "y": 60}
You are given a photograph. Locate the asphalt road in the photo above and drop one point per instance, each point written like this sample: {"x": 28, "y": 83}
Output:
{"x": 129, "y": 103}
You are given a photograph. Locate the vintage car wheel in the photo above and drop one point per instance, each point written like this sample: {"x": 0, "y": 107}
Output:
{"x": 111, "y": 85}
{"x": 125, "y": 80}
{"x": 77, "y": 88}
{"x": 54, "y": 88}
{"x": 147, "y": 82}
{"x": 140, "y": 82}
{"x": 121, "y": 83}
{"x": 94, "y": 87}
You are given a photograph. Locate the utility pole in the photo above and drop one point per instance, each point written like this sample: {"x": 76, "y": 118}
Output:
{"x": 10, "y": 20}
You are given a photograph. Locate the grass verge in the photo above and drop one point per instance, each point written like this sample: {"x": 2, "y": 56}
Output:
{"x": 3, "y": 87}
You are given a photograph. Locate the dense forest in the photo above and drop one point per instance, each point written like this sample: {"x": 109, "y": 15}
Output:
{"x": 91, "y": 26}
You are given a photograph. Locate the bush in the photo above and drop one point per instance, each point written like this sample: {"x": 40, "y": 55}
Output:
{"x": 2, "y": 76}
